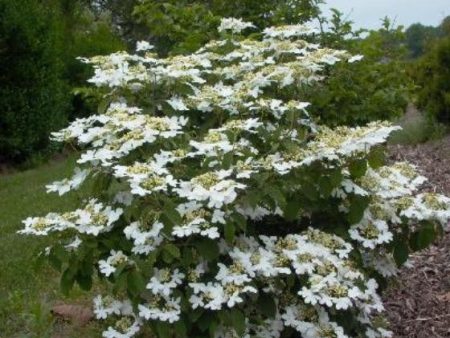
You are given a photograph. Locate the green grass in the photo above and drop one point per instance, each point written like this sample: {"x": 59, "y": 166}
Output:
{"x": 26, "y": 292}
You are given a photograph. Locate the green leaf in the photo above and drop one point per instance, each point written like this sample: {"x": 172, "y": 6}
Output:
{"x": 102, "y": 106}
{"x": 173, "y": 250}
{"x": 229, "y": 232}
{"x": 172, "y": 216}
{"x": 292, "y": 210}
{"x": 358, "y": 168}
{"x": 253, "y": 197}
{"x": 310, "y": 190}
{"x": 205, "y": 321}
{"x": 227, "y": 160}
{"x": 240, "y": 220}
{"x": 68, "y": 278}
{"x": 194, "y": 315}
{"x": 120, "y": 282}
{"x": 213, "y": 328}
{"x": 276, "y": 195}
{"x": 358, "y": 205}
{"x": 423, "y": 237}
{"x": 207, "y": 248}
{"x": 401, "y": 253}
{"x": 180, "y": 329}
{"x": 55, "y": 262}
{"x": 336, "y": 178}
{"x": 238, "y": 321}
{"x": 377, "y": 158}
{"x": 266, "y": 305}
{"x": 84, "y": 281}
{"x": 101, "y": 183}
{"x": 325, "y": 186}
{"x": 58, "y": 255}
{"x": 163, "y": 330}
{"x": 135, "y": 283}
{"x": 187, "y": 258}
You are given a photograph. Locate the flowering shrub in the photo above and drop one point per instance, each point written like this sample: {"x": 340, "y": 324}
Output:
{"x": 220, "y": 209}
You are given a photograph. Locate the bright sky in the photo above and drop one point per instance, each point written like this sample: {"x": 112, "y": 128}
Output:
{"x": 367, "y": 13}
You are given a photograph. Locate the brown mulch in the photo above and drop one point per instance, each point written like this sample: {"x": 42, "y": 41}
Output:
{"x": 419, "y": 305}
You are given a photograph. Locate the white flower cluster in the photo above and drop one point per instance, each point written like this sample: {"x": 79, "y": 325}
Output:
{"x": 234, "y": 25}
{"x": 66, "y": 185}
{"x": 230, "y": 194}
{"x": 93, "y": 219}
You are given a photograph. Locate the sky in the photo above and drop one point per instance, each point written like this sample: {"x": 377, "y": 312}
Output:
{"x": 367, "y": 13}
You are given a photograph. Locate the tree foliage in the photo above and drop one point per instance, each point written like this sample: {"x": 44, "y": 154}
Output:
{"x": 33, "y": 94}
{"x": 376, "y": 88}
{"x": 182, "y": 26}
{"x": 419, "y": 38}
{"x": 432, "y": 75}
{"x": 39, "y": 44}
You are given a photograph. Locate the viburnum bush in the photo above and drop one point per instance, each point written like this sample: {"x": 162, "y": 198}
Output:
{"x": 220, "y": 209}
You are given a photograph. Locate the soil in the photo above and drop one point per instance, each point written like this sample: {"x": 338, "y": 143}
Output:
{"x": 418, "y": 306}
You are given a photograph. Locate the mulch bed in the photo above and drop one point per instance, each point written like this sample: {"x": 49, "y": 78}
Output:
{"x": 418, "y": 306}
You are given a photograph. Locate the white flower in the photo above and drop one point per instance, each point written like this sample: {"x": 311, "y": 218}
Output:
{"x": 234, "y": 276}
{"x": 72, "y": 246}
{"x": 144, "y": 241}
{"x": 95, "y": 218}
{"x": 371, "y": 232}
{"x": 108, "y": 266}
{"x": 168, "y": 312}
{"x": 143, "y": 46}
{"x": 64, "y": 186}
{"x": 177, "y": 103}
{"x": 234, "y": 25}
{"x": 106, "y": 306}
{"x": 198, "y": 220}
{"x": 163, "y": 281}
{"x": 126, "y": 327}
{"x": 152, "y": 184}
{"x": 41, "y": 226}
{"x": 212, "y": 187}
{"x": 286, "y": 32}
{"x": 356, "y": 58}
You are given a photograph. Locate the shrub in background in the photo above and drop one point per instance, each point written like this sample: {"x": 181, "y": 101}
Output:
{"x": 221, "y": 209}
{"x": 175, "y": 26}
{"x": 376, "y": 88}
{"x": 432, "y": 74}
{"x": 33, "y": 96}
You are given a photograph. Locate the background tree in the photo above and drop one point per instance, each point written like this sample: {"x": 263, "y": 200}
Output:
{"x": 39, "y": 43}
{"x": 86, "y": 33}
{"x": 182, "y": 26}
{"x": 33, "y": 94}
{"x": 376, "y": 88}
{"x": 417, "y": 38}
{"x": 432, "y": 74}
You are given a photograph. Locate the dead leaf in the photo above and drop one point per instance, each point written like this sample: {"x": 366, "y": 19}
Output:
{"x": 444, "y": 297}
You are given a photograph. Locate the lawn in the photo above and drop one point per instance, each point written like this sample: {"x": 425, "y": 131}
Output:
{"x": 27, "y": 292}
